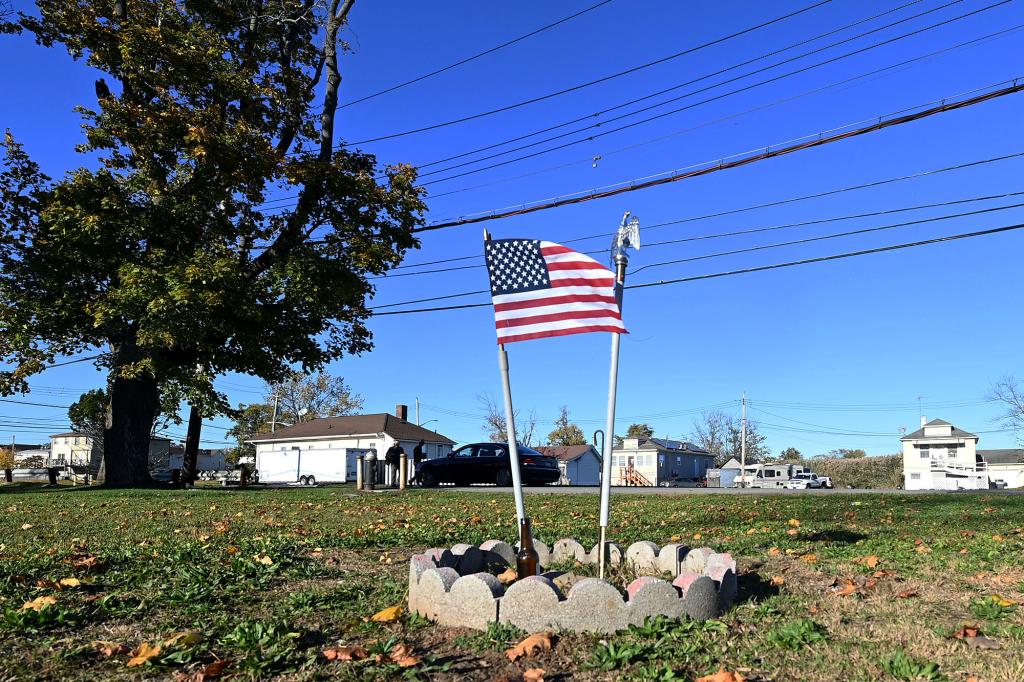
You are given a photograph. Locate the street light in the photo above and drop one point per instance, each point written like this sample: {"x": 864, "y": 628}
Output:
{"x": 426, "y": 422}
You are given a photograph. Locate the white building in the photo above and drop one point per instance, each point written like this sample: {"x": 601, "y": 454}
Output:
{"x": 80, "y": 450}
{"x": 579, "y": 464}
{"x": 939, "y": 456}
{"x": 206, "y": 460}
{"x": 279, "y": 455}
{"x": 656, "y": 461}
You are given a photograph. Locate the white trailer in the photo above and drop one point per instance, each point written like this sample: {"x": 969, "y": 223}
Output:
{"x": 309, "y": 466}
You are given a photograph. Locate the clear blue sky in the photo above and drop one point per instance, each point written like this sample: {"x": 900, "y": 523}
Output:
{"x": 870, "y": 333}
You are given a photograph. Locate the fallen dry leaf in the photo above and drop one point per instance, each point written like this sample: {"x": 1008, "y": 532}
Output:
{"x": 722, "y": 675}
{"x": 533, "y": 675}
{"x": 184, "y": 638}
{"x": 778, "y": 581}
{"x": 533, "y": 644}
{"x": 906, "y": 594}
{"x": 403, "y": 656}
{"x": 809, "y": 558}
{"x": 870, "y": 561}
{"x": 792, "y": 531}
{"x": 143, "y": 654}
{"x": 265, "y": 560}
{"x": 795, "y": 523}
{"x": 1002, "y": 601}
{"x": 26, "y": 526}
{"x": 39, "y": 603}
{"x": 69, "y": 582}
{"x": 774, "y": 551}
{"x": 388, "y": 615}
{"x": 345, "y": 653}
{"x": 508, "y": 576}
{"x": 967, "y": 631}
{"x": 847, "y": 588}
{"x": 107, "y": 649}
{"x": 215, "y": 669}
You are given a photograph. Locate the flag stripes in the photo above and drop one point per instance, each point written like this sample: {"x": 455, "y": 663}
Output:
{"x": 542, "y": 289}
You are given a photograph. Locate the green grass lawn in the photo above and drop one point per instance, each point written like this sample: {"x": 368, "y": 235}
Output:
{"x": 266, "y": 580}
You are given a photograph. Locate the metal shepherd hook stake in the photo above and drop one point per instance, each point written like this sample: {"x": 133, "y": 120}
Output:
{"x": 628, "y": 235}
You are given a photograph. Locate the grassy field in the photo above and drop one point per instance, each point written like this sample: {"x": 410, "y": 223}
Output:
{"x": 259, "y": 583}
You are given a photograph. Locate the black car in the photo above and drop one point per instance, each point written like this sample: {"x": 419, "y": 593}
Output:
{"x": 488, "y": 463}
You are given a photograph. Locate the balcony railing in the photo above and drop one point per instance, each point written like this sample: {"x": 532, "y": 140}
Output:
{"x": 952, "y": 467}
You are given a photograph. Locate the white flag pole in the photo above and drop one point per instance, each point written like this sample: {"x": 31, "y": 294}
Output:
{"x": 622, "y": 241}
{"x": 510, "y": 429}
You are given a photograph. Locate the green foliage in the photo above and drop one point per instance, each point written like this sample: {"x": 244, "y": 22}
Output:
{"x": 497, "y": 637}
{"x": 797, "y": 634}
{"x": 992, "y": 608}
{"x": 88, "y": 414}
{"x": 640, "y": 431}
{"x": 903, "y": 666}
{"x": 162, "y": 255}
{"x": 847, "y": 453}
{"x": 613, "y": 654}
{"x": 565, "y": 432}
{"x": 790, "y": 453}
{"x": 265, "y": 646}
{"x": 866, "y": 472}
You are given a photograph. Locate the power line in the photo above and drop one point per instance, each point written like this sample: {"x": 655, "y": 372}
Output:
{"x": 780, "y": 202}
{"x": 478, "y": 55}
{"x": 761, "y": 268}
{"x": 836, "y": 235}
{"x": 660, "y": 92}
{"x": 698, "y": 91}
{"x": 587, "y": 84}
{"x": 660, "y": 138}
{"x": 742, "y": 160}
{"x": 754, "y": 230}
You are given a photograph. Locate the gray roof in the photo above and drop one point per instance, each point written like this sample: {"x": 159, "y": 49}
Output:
{"x": 357, "y": 424}
{"x": 1003, "y": 456}
{"x": 919, "y": 434}
{"x": 671, "y": 446}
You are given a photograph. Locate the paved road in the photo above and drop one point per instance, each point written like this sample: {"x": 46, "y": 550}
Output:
{"x": 593, "y": 490}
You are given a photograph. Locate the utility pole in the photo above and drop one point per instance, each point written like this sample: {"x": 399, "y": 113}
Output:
{"x": 743, "y": 441}
{"x": 418, "y": 422}
{"x": 273, "y": 419}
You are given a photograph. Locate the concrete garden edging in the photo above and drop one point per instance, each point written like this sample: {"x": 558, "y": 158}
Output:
{"x": 457, "y": 587}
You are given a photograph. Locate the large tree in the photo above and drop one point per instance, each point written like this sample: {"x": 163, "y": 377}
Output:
{"x": 640, "y": 431}
{"x": 302, "y": 397}
{"x": 565, "y": 431}
{"x": 711, "y": 432}
{"x": 160, "y": 251}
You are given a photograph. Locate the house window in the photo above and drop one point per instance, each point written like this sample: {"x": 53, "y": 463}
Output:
{"x": 915, "y": 477}
{"x": 924, "y": 451}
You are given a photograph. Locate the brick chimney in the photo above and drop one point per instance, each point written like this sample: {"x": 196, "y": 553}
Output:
{"x": 402, "y": 412}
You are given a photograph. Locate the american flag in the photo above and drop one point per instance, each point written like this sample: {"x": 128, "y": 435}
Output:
{"x": 544, "y": 289}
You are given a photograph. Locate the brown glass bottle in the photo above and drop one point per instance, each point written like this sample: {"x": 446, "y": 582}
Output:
{"x": 527, "y": 560}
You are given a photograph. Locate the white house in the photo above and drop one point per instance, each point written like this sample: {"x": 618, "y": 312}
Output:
{"x": 940, "y": 456}
{"x": 580, "y": 464}
{"x": 206, "y": 460}
{"x": 656, "y": 461}
{"x": 279, "y": 454}
{"x": 80, "y": 450}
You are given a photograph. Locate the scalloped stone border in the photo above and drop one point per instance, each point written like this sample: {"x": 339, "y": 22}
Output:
{"x": 457, "y": 587}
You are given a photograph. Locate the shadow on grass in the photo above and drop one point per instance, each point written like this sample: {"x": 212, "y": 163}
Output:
{"x": 836, "y": 536}
{"x": 753, "y": 587}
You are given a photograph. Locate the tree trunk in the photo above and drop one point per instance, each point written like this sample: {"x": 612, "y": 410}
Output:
{"x": 134, "y": 404}
{"x": 189, "y": 465}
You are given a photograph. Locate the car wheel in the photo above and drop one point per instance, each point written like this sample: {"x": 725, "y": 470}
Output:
{"x": 428, "y": 479}
{"x": 503, "y": 478}
{"x": 303, "y": 480}
{"x": 311, "y": 480}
